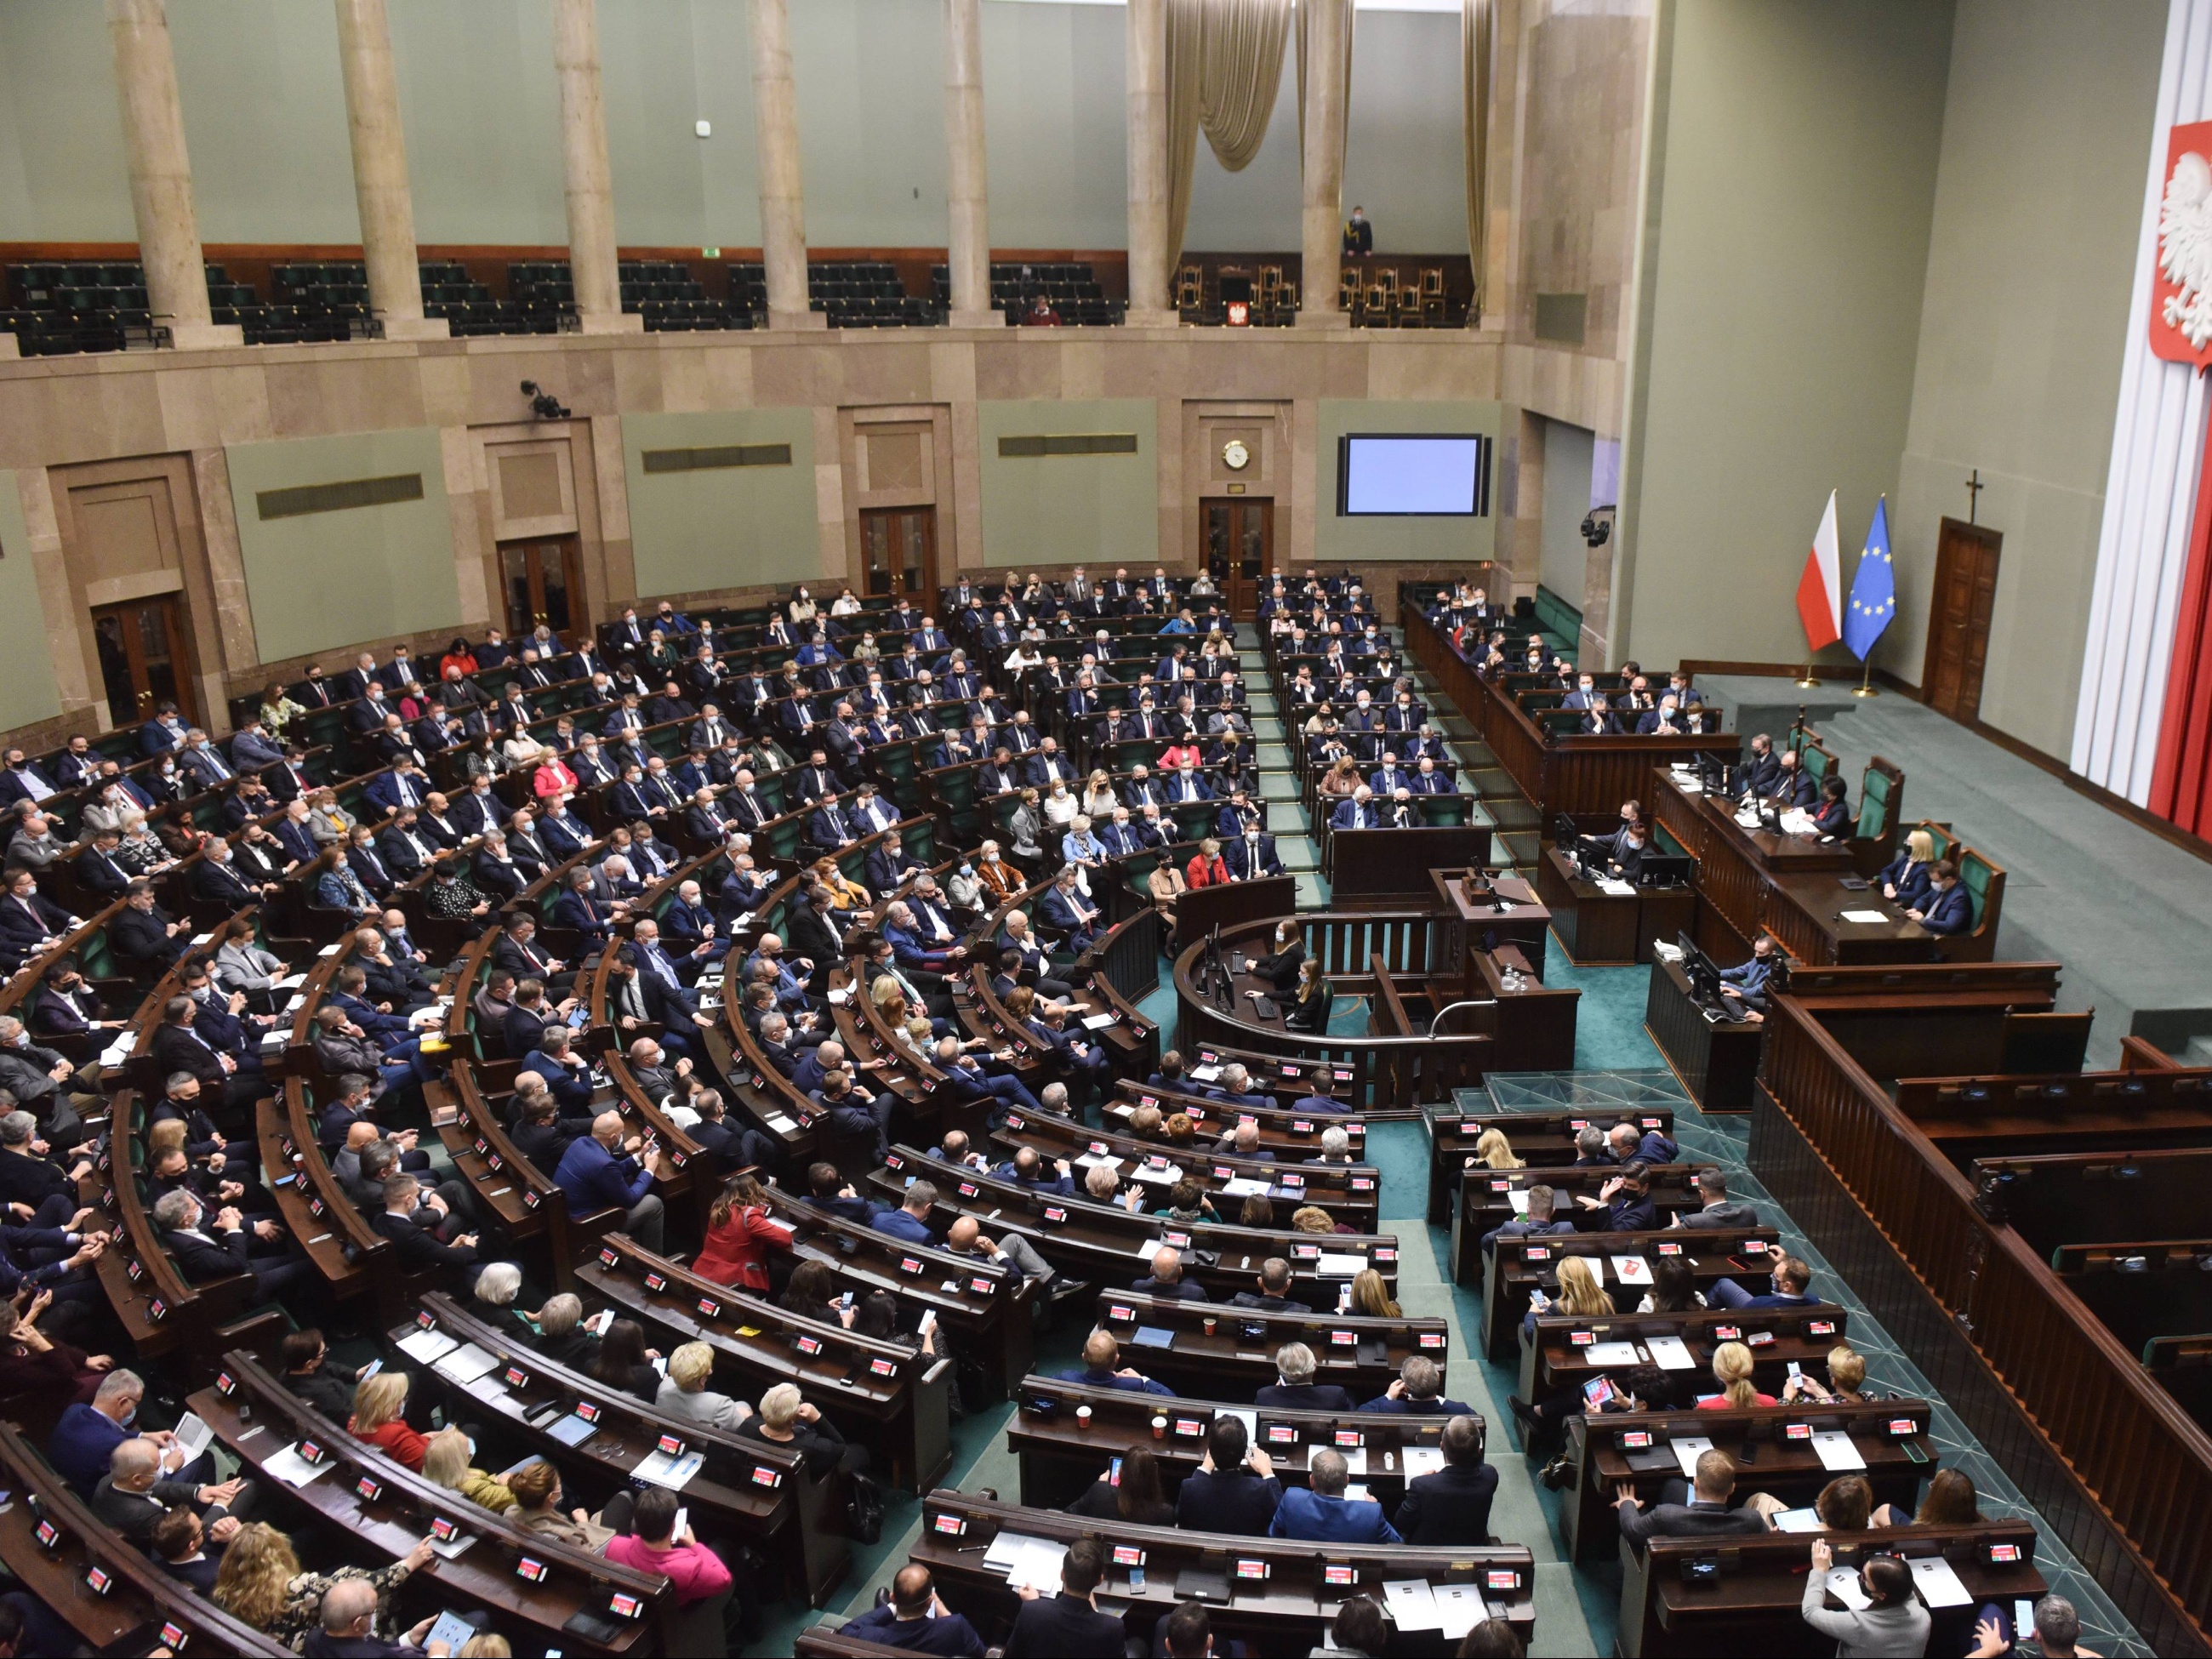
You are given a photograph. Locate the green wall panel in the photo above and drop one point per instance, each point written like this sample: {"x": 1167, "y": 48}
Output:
{"x": 28, "y": 690}
{"x": 1412, "y": 540}
{"x": 323, "y": 579}
{"x": 725, "y": 526}
{"x": 1070, "y": 510}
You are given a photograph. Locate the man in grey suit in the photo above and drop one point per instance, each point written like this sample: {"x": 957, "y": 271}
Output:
{"x": 1720, "y": 1212}
{"x": 1707, "y": 1514}
{"x": 966, "y": 1238}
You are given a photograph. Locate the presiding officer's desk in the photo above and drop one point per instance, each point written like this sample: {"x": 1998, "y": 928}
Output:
{"x": 532, "y": 1585}
{"x": 1061, "y": 1456}
{"x": 1346, "y": 1191}
{"x": 988, "y": 1307}
{"x": 139, "y": 1595}
{"x": 1111, "y": 1245}
{"x": 1568, "y": 1351}
{"x": 1487, "y": 1199}
{"x": 1544, "y": 1140}
{"x": 885, "y": 1395}
{"x": 1614, "y": 1448}
{"x": 1516, "y": 1267}
{"x": 1279, "y": 1595}
{"x": 1754, "y": 1603}
{"x": 1596, "y": 928}
{"x": 753, "y": 1491}
{"x": 1168, "y": 1339}
{"x": 1791, "y": 886}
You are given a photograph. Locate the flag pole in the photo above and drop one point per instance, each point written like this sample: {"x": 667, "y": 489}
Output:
{"x": 1809, "y": 682}
{"x": 1865, "y": 688}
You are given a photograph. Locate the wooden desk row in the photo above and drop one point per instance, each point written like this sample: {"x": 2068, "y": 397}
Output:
{"x": 1220, "y": 1351}
{"x": 1517, "y": 1267}
{"x": 1567, "y": 1351}
{"x": 1486, "y": 1198}
{"x": 1543, "y": 1140}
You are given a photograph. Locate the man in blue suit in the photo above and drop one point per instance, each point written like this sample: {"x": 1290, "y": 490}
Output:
{"x": 1427, "y": 781}
{"x": 1628, "y": 1142}
{"x": 602, "y": 1170}
{"x": 1235, "y": 1490}
{"x": 1063, "y": 909}
{"x": 909, "y": 1220}
{"x": 1946, "y": 909}
{"x": 1323, "y": 1514}
{"x": 1251, "y": 855}
{"x": 965, "y": 1079}
{"x": 1419, "y": 1391}
{"x": 578, "y": 910}
{"x": 1790, "y": 1279}
{"x": 1101, "y": 1369}
{"x": 1358, "y": 813}
{"x": 1746, "y": 982}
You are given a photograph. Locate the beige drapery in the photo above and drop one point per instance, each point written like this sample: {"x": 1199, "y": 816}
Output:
{"x": 1474, "y": 43}
{"x": 1224, "y": 63}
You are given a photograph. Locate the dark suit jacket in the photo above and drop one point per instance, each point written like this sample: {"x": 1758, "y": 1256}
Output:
{"x": 1239, "y": 1502}
{"x": 1304, "y": 1397}
{"x": 202, "y": 1257}
{"x": 1450, "y": 1507}
{"x": 1685, "y": 1521}
{"x": 1065, "y": 1627}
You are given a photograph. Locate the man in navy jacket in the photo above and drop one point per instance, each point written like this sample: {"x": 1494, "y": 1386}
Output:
{"x": 1418, "y": 1390}
{"x": 1946, "y": 909}
{"x": 603, "y": 1171}
{"x": 1101, "y": 1369}
{"x": 1323, "y": 1514}
{"x": 1235, "y": 1490}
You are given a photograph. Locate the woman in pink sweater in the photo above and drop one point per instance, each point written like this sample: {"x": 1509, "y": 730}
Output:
{"x": 652, "y": 1545}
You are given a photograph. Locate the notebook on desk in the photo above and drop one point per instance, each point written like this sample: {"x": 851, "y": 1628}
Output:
{"x": 1200, "y": 1582}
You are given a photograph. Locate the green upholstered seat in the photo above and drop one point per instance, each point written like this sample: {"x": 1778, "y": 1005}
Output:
{"x": 1873, "y": 805}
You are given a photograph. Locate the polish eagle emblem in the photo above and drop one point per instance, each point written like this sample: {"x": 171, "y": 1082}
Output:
{"x": 2181, "y": 286}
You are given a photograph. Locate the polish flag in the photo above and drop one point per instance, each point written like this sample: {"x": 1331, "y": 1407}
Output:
{"x": 1821, "y": 589}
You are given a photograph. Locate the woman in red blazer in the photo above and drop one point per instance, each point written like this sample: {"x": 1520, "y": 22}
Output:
{"x": 740, "y": 1232}
{"x": 1205, "y": 869}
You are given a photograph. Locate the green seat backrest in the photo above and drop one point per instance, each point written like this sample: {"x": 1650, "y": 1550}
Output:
{"x": 1974, "y": 873}
{"x": 1669, "y": 846}
{"x": 1193, "y": 819}
{"x": 1819, "y": 763}
{"x": 955, "y": 786}
{"x": 783, "y": 838}
{"x": 1443, "y": 810}
{"x": 1873, "y": 805}
{"x": 97, "y": 961}
{"x": 920, "y": 838}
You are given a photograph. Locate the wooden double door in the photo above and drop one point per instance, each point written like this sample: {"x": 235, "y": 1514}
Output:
{"x": 898, "y": 554}
{"x": 144, "y": 658}
{"x": 1965, "y": 597}
{"x": 543, "y": 581}
{"x": 1237, "y": 549}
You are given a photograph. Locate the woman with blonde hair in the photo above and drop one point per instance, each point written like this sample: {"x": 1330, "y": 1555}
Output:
{"x": 378, "y": 1407}
{"x": 683, "y": 1391}
{"x": 164, "y": 1138}
{"x": 785, "y": 1419}
{"x": 1099, "y": 797}
{"x": 447, "y": 1463}
{"x": 1341, "y": 779}
{"x": 1906, "y": 877}
{"x": 1312, "y": 1218}
{"x": 1580, "y": 1293}
{"x": 1846, "y": 1384}
{"x": 261, "y": 1583}
{"x": 1370, "y": 1295}
{"x": 845, "y": 893}
{"x": 1732, "y": 1369}
{"x": 1060, "y": 807}
{"x": 888, "y": 997}
{"x": 1492, "y": 1150}
{"x": 1310, "y": 1010}
{"x": 329, "y": 823}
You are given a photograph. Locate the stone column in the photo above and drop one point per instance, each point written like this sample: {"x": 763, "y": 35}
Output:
{"x": 1323, "y": 168}
{"x": 162, "y": 174}
{"x": 591, "y": 264}
{"x": 380, "y": 173}
{"x": 776, "y": 147}
{"x": 968, "y": 246}
{"x": 1149, "y": 252}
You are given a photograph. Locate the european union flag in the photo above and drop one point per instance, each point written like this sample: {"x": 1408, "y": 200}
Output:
{"x": 1874, "y": 587}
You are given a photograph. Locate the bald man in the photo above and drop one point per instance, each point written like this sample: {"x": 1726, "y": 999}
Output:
{"x": 967, "y": 1237}
{"x": 916, "y": 1620}
{"x": 1167, "y": 1282}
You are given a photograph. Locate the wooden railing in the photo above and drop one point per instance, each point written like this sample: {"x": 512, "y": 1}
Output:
{"x": 2142, "y": 1469}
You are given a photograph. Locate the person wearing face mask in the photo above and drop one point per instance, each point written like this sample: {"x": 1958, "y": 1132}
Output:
{"x": 1252, "y": 855}
{"x": 85, "y": 1438}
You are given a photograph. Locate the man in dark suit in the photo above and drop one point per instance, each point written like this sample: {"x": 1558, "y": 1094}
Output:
{"x": 143, "y": 936}
{"x": 1272, "y": 1295}
{"x": 229, "y": 1249}
{"x": 1297, "y": 1391}
{"x": 97, "y": 869}
{"x": 1720, "y": 1213}
{"x": 1707, "y": 1515}
{"x": 1947, "y": 910}
{"x": 1791, "y": 1277}
{"x": 1235, "y": 1490}
{"x": 1451, "y": 1506}
{"x": 1166, "y": 1281}
{"x": 1537, "y": 1224}
{"x": 412, "y": 1223}
{"x": 1251, "y": 855}
{"x": 1068, "y": 1624}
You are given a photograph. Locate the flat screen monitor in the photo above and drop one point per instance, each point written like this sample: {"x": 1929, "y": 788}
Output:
{"x": 1412, "y": 474}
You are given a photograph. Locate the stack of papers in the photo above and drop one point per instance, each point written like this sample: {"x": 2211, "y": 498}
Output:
{"x": 1460, "y": 1608}
{"x": 1332, "y": 1264}
{"x": 427, "y": 1348}
{"x": 465, "y": 1363}
{"x": 1613, "y": 888}
{"x": 1158, "y": 1177}
{"x": 1670, "y": 1353}
{"x": 1413, "y": 1604}
{"x": 673, "y": 1472}
{"x": 496, "y": 1396}
{"x": 1688, "y": 1449}
{"x": 1518, "y": 1197}
{"x": 1097, "y": 1022}
{"x": 1026, "y": 1560}
{"x": 779, "y": 1123}
{"x": 1205, "y": 1073}
{"x": 1867, "y": 916}
{"x": 293, "y": 1470}
{"x": 1837, "y": 1451}
{"x": 1099, "y": 1161}
{"x": 1939, "y": 1586}
{"x": 1242, "y": 1187}
{"x": 1421, "y": 1460}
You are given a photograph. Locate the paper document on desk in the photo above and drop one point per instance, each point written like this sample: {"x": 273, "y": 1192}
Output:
{"x": 1145, "y": 1172}
{"x": 1670, "y": 1353}
{"x": 781, "y": 1124}
{"x": 1518, "y": 1197}
{"x": 1688, "y": 1449}
{"x": 495, "y": 1394}
{"x": 465, "y": 1363}
{"x": 1613, "y": 888}
{"x": 674, "y": 1473}
{"x": 1938, "y": 1584}
{"x": 1665, "y": 951}
{"x": 427, "y": 1348}
{"x": 1689, "y": 786}
{"x": 1797, "y": 822}
{"x": 839, "y": 997}
{"x": 1332, "y": 1264}
{"x": 1022, "y": 1558}
{"x": 1413, "y": 1604}
{"x": 1246, "y": 1415}
{"x": 193, "y": 1436}
{"x": 1844, "y": 1585}
{"x": 1630, "y": 1269}
{"x": 1242, "y": 1186}
{"x": 1099, "y": 1161}
{"x": 293, "y": 1470}
{"x": 1837, "y": 1451}
{"x": 1868, "y": 917}
{"x": 1797, "y": 1521}
{"x": 1097, "y": 1022}
{"x": 1421, "y": 1460}
{"x": 1205, "y": 1073}
{"x": 1355, "y": 1461}
{"x": 1461, "y": 1607}
{"x": 289, "y": 982}
{"x": 1611, "y": 1353}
